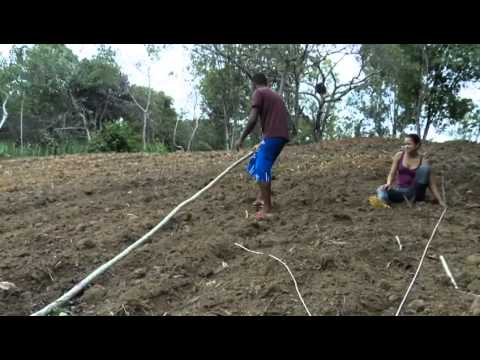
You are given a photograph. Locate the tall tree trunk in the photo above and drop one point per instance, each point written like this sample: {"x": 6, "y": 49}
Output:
{"x": 4, "y": 108}
{"x": 324, "y": 121}
{"x": 296, "y": 105}
{"x": 225, "y": 123}
{"x": 85, "y": 126}
{"x": 394, "y": 113}
{"x": 427, "y": 126}
{"x": 422, "y": 93}
{"x": 82, "y": 115}
{"x": 175, "y": 137}
{"x": 144, "y": 110}
{"x": 232, "y": 136}
{"x": 144, "y": 133}
{"x": 282, "y": 82}
{"x": 193, "y": 135}
{"x": 418, "y": 112}
{"x": 227, "y": 138}
{"x": 21, "y": 123}
{"x": 317, "y": 124}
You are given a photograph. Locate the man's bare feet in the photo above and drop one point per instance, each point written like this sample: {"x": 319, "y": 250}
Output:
{"x": 258, "y": 203}
{"x": 262, "y": 215}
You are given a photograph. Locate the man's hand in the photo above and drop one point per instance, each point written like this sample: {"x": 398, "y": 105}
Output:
{"x": 238, "y": 144}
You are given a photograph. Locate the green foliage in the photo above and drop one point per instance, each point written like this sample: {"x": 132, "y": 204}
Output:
{"x": 12, "y": 150}
{"x": 115, "y": 137}
{"x": 426, "y": 78}
{"x": 469, "y": 126}
{"x": 157, "y": 148}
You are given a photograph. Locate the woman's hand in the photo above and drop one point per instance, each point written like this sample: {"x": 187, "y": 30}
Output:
{"x": 386, "y": 186}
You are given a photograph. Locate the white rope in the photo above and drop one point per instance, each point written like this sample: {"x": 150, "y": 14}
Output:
{"x": 253, "y": 252}
{"x": 87, "y": 280}
{"x": 421, "y": 262}
{"x": 288, "y": 269}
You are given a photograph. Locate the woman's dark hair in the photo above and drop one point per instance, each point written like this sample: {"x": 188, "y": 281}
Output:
{"x": 259, "y": 79}
{"x": 415, "y": 138}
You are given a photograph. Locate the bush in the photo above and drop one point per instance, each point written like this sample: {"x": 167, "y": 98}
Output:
{"x": 116, "y": 137}
{"x": 157, "y": 148}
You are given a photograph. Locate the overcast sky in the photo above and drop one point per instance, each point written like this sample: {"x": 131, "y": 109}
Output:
{"x": 171, "y": 76}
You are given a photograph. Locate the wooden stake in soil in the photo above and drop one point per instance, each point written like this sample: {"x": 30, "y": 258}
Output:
{"x": 399, "y": 243}
{"x": 101, "y": 269}
{"x": 421, "y": 262}
{"x": 448, "y": 272}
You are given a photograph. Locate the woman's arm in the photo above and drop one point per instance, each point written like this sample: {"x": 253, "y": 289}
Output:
{"x": 392, "y": 175}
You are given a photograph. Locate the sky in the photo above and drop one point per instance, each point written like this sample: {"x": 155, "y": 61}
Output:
{"x": 170, "y": 73}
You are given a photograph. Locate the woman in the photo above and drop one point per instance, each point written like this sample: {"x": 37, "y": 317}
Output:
{"x": 413, "y": 175}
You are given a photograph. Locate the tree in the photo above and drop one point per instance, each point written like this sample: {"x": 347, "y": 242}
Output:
{"x": 469, "y": 126}
{"x": 98, "y": 90}
{"x": 426, "y": 80}
{"x": 324, "y": 86}
{"x": 153, "y": 52}
{"x": 162, "y": 116}
{"x": 225, "y": 100}
{"x": 283, "y": 64}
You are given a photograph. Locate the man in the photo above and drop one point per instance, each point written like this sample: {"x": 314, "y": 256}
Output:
{"x": 270, "y": 108}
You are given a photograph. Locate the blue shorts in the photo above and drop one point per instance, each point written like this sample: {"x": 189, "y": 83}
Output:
{"x": 260, "y": 165}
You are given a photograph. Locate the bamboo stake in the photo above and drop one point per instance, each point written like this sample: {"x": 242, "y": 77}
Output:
{"x": 448, "y": 272}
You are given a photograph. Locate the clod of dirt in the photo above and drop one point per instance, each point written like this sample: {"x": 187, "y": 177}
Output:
{"x": 417, "y": 305}
{"x": 139, "y": 273}
{"x": 474, "y": 225}
{"x": 385, "y": 285}
{"x": 186, "y": 217}
{"x": 473, "y": 259}
{"x": 475, "y": 308}
{"x": 393, "y": 298}
{"x": 270, "y": 290}
{"x": 94, "y": 294}
{"x": 342, "y": 217}
{"x": 148, "y": 199}
{"x": 86, "y": 244}
{"x": 327, "y": 262}
{"x": 464, "y": 278}
{"x": 474, "y": 286}
{"x": 80, "y": 228}
{"x": 7, "y": 286}
{"x": 442, "y": 279}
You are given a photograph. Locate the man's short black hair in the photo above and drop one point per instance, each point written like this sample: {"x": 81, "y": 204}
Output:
{"x": 259, "y": 79}
{"x": 415, "y": 138}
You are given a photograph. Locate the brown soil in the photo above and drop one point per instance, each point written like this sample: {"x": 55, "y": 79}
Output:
{"x": 62, "y": 217}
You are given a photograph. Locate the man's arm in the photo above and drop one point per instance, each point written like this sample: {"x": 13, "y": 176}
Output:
{"x": 252, "y": 121}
